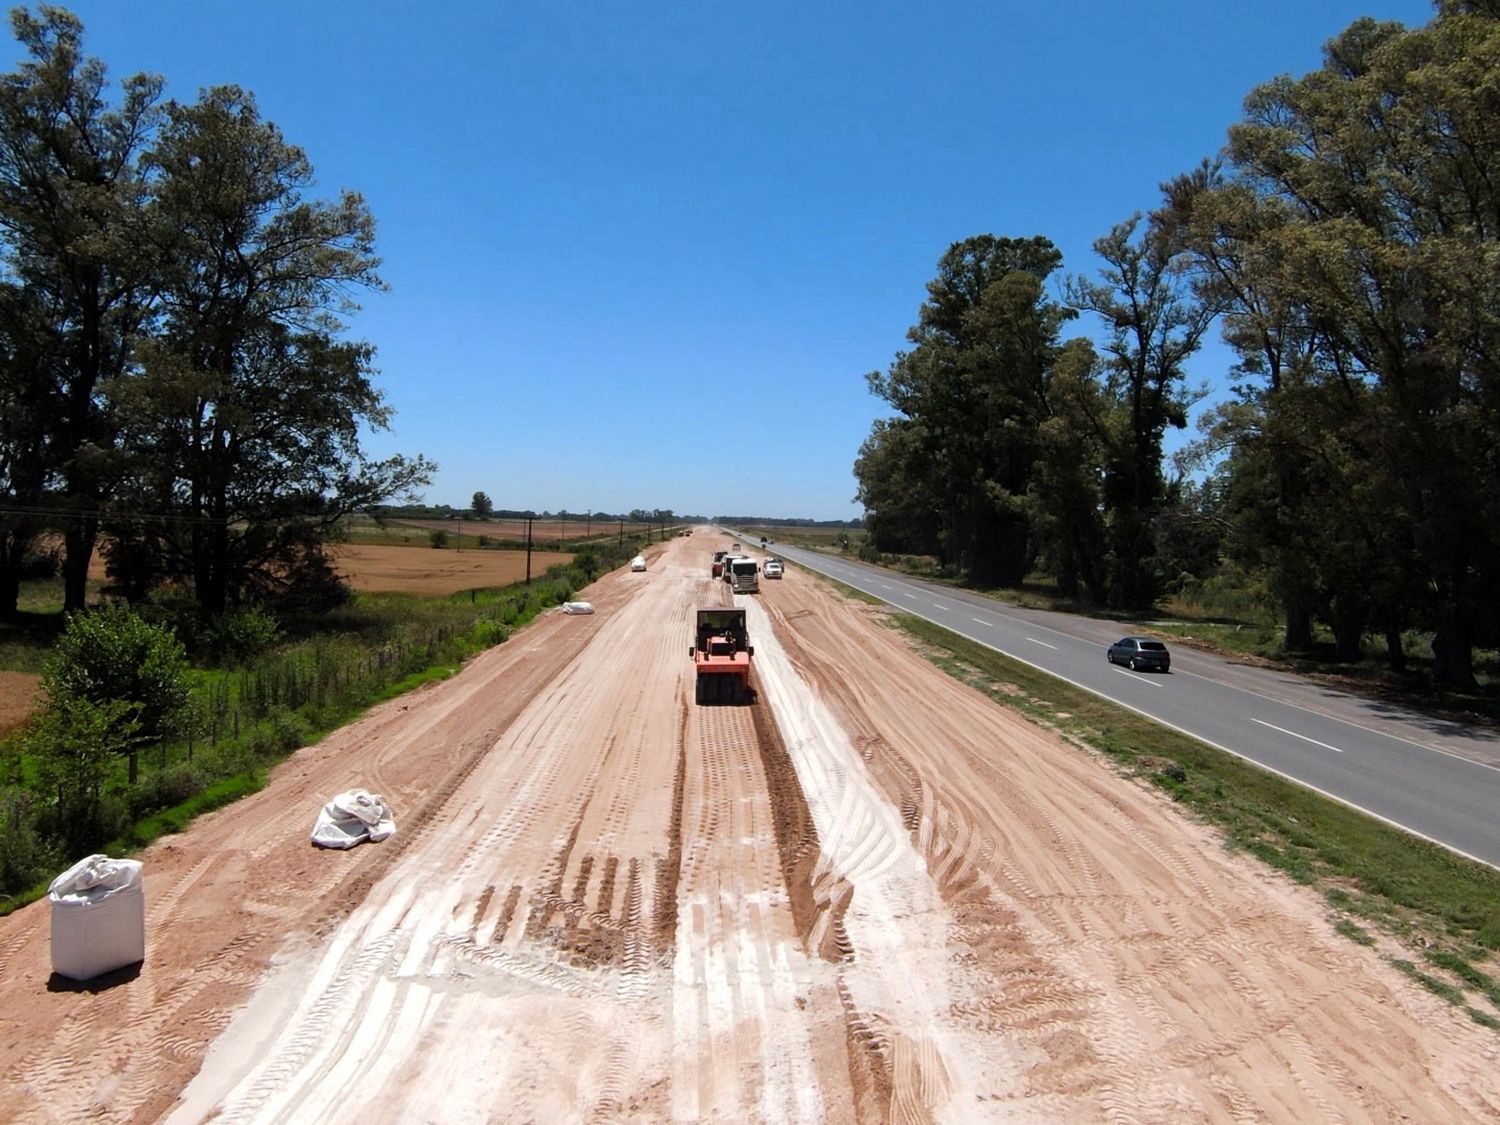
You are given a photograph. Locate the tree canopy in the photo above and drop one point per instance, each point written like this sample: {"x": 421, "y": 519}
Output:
{"x": 174, "y": 317}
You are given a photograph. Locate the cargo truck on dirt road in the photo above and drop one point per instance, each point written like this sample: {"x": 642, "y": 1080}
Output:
{"x": 742, "y": 574}
{"x": 721, "y": 656}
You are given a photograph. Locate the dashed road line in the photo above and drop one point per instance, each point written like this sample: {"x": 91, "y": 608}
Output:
{"x": 1138, "y": 678}
{"x": 1294, "y": 734}
{"x": 1044, "y": 644}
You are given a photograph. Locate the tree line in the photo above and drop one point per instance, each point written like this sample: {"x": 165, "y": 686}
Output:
{"x": 176, "y": 386}
{"x": 1345, "y": 242}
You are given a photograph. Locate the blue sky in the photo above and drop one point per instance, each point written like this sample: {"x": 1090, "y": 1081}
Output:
{"x": 642, "y": 254}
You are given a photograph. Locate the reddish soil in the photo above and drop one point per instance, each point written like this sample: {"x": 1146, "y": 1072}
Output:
{"x": 17, "y": 693}
{"x": 873, "y": 895}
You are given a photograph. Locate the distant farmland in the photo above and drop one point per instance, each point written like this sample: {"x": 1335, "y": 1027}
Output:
{"x": 374, "y": 567}
{"x": 470, "y": 531}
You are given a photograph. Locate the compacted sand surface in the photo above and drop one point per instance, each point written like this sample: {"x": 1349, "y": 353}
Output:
{"x": 871, "y": 895}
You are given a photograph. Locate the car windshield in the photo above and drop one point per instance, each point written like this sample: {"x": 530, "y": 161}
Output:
{"x": 1153, "y": 646}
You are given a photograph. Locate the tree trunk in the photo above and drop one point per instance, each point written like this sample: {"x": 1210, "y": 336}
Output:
{"x": 1348, "y": 631}
{"x": 11, "y": 558}
{"x": 1298, "y": 636}
{"x": 1453, "y": 650}
{"x": 1395, "y": 651}
{"x": 79, "y": 540}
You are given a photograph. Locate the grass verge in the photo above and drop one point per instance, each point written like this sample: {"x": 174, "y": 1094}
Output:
{"x": 1419, "y": 895}
{"x": 378, "y": 648}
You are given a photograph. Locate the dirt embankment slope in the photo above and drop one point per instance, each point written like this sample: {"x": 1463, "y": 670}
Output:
{"x": 871, "y": 896}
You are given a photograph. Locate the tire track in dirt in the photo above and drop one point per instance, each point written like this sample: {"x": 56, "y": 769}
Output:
{"x": 572, "y": 826}
{"x": 1136, "y": 969}
{"x": 234, "y": 912}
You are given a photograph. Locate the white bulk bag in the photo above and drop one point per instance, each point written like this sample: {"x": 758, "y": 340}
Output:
{"x": 352, "y": 818}
{"x": 577, "y": 607}
{"x": 98, "y": 917}
{"x": 638, "y": 563}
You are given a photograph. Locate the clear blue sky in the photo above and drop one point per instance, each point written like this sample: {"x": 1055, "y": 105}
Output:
{"x": 642, "y": 254}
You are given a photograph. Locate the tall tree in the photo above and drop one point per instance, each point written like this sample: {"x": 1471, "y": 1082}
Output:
{"x": 71, "y": 191}
{"x": 1154, "y": 322}
{"x": 1230, "y": 232}
{"x": 1388, "y": 161}
{"x": 26, "y": 351}
{"x": 246, "y": 424}
{"x": 976, "y": 382}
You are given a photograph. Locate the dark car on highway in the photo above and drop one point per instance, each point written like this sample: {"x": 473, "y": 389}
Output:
{"x": 1138, "y": 653}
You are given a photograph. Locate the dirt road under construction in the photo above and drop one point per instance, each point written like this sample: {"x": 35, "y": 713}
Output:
{"x": 873, "y": 895}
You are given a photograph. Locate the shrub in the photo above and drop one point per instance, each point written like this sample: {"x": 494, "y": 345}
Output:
{"x": 438, "y": 539}
{"x": 243, "y": 632}
{"x": 26, "y": 857}
{"x": 113, "y": 654}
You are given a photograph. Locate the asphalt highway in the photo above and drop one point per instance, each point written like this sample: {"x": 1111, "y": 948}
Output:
{"x": 1436, "y": 779}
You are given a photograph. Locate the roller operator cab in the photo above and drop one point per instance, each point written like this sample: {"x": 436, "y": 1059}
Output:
{"x": 721, "y": 656}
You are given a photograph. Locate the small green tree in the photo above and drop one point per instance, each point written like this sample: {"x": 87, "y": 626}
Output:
{"x": 438, "y": 539}
{"x": 482, "y": 506}
{"x": 110, "y": 655}
{"x": 74, "y": 743}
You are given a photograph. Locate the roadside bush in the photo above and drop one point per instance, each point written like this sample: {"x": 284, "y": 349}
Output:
{"x": 437, "y": 539}
{"x": 242, "y": 633}
{"x": 163, "y": 788}
{"x": 114, "y": 655}
{"x": 26, "y": 857}
{"x": 282, "y": 730}
{"x": 309, "y": 587}
{"x": 587, "y": 562}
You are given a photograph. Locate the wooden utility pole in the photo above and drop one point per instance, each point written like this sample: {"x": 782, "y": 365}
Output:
{"x": 528, "y": 548}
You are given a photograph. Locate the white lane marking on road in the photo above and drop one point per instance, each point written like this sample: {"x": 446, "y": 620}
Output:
{"x": 1454, "y": 754}
{"x": 913, "y": 597}
{"x": 1240, "y": 754}
{"x": 936, "y": 605}
{"x": 886, "y": 586}
{"x": 982, "y": 621}
{"x": 1044, "y": 644}
{"x": 1294, "y": 734}
{"x": 1134, "y": 676}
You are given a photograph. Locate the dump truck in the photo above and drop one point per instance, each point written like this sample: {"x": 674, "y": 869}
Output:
{"x": 742, "y": 574}
{"x": 721, "y": 656}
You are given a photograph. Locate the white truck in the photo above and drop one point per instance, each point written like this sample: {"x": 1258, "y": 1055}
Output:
{"x": 772, "y": 569}
{"x": 742, "y": 574}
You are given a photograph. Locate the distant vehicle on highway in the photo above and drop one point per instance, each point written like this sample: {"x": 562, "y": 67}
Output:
{"x": 772, "y": 569}
{"x": 1140, "y": 653}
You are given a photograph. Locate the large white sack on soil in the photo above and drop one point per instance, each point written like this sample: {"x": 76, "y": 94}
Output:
{"x": 352, "y": 818}
{"x": 98, "y": 917}
{"x": 638, "y": 563}
{"x": 578, "y": 607}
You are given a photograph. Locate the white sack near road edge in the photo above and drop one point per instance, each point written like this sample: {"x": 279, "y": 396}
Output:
{"x": 98, "y": 917}
{"x": 352, "y": 818}
{"x": 577, "y": 607}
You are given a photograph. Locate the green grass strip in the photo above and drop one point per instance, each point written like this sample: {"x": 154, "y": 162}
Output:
{"x": 1405, "y": 886}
